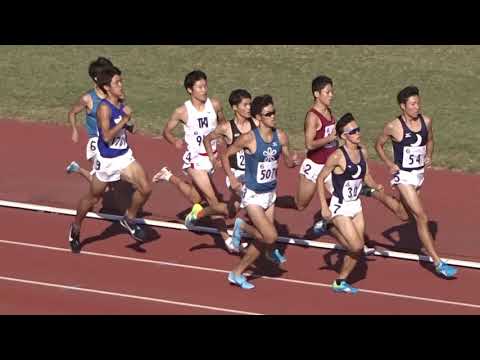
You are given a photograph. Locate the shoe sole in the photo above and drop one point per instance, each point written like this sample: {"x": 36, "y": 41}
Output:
{"x": 240, "y": 286}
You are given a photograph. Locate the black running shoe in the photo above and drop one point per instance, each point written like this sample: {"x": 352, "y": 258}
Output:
{"x": 133, "y": 228}
{"x": 367, "y": 191}
{"x": 74, "y": 239}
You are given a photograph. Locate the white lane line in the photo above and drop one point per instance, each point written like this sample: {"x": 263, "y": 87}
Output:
{"x": 128, "y": 296}
{"x": 210, "y": 230}
{"x": 166, "y": 263}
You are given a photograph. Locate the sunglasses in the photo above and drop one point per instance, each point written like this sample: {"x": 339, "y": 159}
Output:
{"x": 270, "y": 113}
{"x": 352, "y": 131}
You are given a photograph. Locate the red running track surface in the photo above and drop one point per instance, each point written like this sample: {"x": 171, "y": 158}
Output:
{"x": 34, "y": 173}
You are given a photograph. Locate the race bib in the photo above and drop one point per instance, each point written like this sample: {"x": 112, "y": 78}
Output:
{"x": 119, "y": 142}
{"x": 414, "y": 156}
{"x": 241, "y": 159}
{"x": 351, "y": 189}
{"x": 328, "y": 131}
{"x": 267, "y": 171}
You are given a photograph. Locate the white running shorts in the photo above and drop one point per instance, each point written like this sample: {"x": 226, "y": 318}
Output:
{"x": 412, "y": 177}
{"x": 265, "y": 200}
{"x": 346, "y": 208}
{"x": 109, "y": 169}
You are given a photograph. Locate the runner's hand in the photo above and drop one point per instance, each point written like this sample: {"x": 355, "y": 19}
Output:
{"x": 379, "y": 187}
{"x": 296, "y": 159}
{"x": 217, "y": 163}
{"x": 326, "y": 214}
{"x": 394, "y": 169}
{"x": 235, "y": 184}
{"x": 179, "y": 144}
{"x": 128, "y": 111}
{"x": 333, "y": 135}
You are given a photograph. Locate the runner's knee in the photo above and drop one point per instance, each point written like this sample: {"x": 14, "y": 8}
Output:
{"x": 270, "y": 236}
{"x": 145, "y": 189}
{"x": 356, "y": 248}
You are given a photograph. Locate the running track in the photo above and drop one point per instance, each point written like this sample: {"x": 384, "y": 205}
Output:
{"x": 185, "y": 273}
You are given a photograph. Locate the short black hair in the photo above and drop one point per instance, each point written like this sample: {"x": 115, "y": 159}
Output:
{"x": 260, "y": 102}
{"x": 192, "y": 77}
{"x": 320, "y": 82}
{"x": 342, "y": 122}
{"x": 405, "y": 93}
{"x": 105, "y": 77}
{"x": 236, "y": 96}
{"x": 97, "y": 65}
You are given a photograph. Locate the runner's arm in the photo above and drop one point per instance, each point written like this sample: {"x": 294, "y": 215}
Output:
{"x": 80, "y": 105}
{"x": 386, "y": 134}
{"x": 311, "y": 128}
{"x": 332, "y": 161}
{"x": 175, "y": 119}
{"x": 430, "y": 143}
{"x": 291, "y": 159}
{"x": 220, "y": 131}
{"x": 217, "y": 105}
{"x": 241, "y": 143}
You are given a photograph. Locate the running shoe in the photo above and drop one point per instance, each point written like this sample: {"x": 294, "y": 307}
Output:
{"x": 74, "y": 239}
{"x": 446, "y": 270}
{"x": 73, "y": 167}
{"x": 133, "y": 228}
{"x": 231, "y": 247}
{"x": 320, "y": 227}
{"x": 239, "y": 280}
{"x": 368, "y": 250}
{"x": 276, "y": 257}
{"x": 192, "y": 216}
{"x": 163, "y": 175}
{"x": 344, "y": 287}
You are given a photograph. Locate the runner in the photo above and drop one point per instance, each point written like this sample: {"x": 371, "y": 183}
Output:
{"x": 114, "y": 160}
{"x": 262, "y": 147}
{"x": 348, "y": 169}
{"x": 411, "y": 134}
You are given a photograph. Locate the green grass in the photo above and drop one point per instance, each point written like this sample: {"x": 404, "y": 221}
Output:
{"x": 41, "y": 82}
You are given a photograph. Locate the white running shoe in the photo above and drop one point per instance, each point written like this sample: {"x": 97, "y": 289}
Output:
{"x": 368, "y": 250}
{"x": 163, "y": 175}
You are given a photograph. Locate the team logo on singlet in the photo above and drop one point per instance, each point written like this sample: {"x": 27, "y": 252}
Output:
{"x": 419, "y": 140}
{"x": 270, "y": 154}
{"x": 359, "y": 171}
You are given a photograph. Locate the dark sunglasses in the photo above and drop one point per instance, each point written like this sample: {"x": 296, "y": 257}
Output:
{"x": 271, "y": 113}
{"x": 352, "y": 131}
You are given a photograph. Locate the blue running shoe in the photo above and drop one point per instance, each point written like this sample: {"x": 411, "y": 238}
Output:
{"x": 73, "y": 167}
{"x": 239, "y": 280}
{"x": 237, "y": 234}
{"x": 276, "y": 257}
{"x": 344, "y": 287}
{"x": 320, "y": 227}
{"x": 446, "y": 270}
